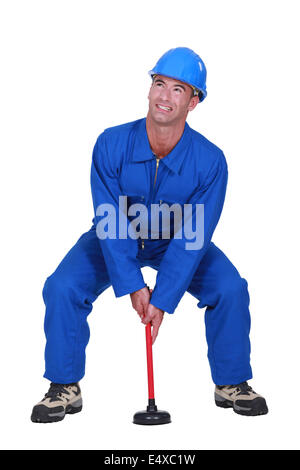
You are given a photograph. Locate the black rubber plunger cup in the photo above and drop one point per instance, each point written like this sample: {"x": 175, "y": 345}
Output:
{"x": 151, "y": 415}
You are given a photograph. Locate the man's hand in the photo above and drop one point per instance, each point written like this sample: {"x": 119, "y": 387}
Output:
{"x": 155, "y": 316}
{"x": 140, "y": 301}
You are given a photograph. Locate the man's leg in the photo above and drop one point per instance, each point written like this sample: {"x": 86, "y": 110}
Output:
{"x": 68, "y": 295}
{"x": 219, "y": 287}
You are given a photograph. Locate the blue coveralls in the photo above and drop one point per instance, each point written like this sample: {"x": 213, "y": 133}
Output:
{"x": 194, "y": 172}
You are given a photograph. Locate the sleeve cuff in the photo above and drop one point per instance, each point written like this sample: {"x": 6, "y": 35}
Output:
{"x": 159, "y": 302}
{"x": 124, "y": 290}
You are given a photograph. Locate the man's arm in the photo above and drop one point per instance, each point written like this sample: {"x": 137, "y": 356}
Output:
{"x": 119, "y": 254}
{"x": 179, "y": 264}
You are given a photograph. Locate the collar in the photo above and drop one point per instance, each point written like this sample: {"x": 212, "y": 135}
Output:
{"x": 142, "y": 151}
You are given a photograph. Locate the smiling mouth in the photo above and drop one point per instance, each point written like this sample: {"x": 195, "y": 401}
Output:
{"x": 164, "y": 108}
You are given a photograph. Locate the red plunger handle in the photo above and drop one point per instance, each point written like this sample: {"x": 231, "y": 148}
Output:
{"x": 149, "y": 361}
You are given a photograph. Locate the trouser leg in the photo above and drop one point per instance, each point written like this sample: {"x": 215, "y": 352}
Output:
{"x": 68, "y": 295}
{"x": 219, "y": 287}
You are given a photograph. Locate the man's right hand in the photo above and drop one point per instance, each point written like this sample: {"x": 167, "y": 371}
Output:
{"x": 140, "y": 300}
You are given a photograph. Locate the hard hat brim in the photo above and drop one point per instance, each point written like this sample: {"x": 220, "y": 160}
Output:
{"x": 203, "y": 92}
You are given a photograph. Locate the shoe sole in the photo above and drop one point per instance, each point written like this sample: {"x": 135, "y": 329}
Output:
{"x": 42, "y": 414}
{"x": 223, "y": 403}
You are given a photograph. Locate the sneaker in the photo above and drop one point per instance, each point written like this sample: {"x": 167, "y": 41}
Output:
{"x": 241, "y": 398}
{"x": 61, "y": 399}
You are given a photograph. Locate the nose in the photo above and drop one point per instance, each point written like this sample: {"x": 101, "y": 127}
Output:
{"x": 165, "y": 94}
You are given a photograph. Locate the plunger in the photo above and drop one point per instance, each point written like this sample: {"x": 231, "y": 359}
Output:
{"x": 151, "y": 415}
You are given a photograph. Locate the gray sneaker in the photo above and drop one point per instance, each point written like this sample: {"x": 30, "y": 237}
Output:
{"x": 241, "y": 398}
{"x": 61, "y": 399}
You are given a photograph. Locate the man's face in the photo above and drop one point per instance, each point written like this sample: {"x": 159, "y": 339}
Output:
{"x": 170, "y": 100}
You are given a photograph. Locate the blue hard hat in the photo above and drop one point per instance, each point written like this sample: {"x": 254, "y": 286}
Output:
{"x": 185, "y": 65}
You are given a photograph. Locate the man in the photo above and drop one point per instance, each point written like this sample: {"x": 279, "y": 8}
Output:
{"x": 157, "y": 162}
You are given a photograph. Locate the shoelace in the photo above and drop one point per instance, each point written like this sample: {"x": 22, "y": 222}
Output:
{"x": 56, "y": 390}
{"x": 243, "y": 388}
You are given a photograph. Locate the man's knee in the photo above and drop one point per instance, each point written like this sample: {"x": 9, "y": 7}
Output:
{"x": 57, "y": 285}
{"x": 232, "y": 287}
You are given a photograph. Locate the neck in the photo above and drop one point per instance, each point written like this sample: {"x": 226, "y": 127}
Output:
{"x": 163, "y": 139}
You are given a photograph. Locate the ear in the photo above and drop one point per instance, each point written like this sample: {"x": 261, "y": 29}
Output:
{"x": 193, "y": 103}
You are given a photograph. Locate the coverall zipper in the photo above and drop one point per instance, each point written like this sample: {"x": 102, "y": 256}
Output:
{"x": 157, "y": 164}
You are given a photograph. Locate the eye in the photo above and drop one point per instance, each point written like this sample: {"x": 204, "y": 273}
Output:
{"x": 178, "y": 90}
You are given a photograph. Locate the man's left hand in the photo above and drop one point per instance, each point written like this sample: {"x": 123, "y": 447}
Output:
{"x": 155, "y": 316}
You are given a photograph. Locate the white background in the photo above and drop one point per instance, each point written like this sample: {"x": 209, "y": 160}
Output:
{"x": 69, "y": 69}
